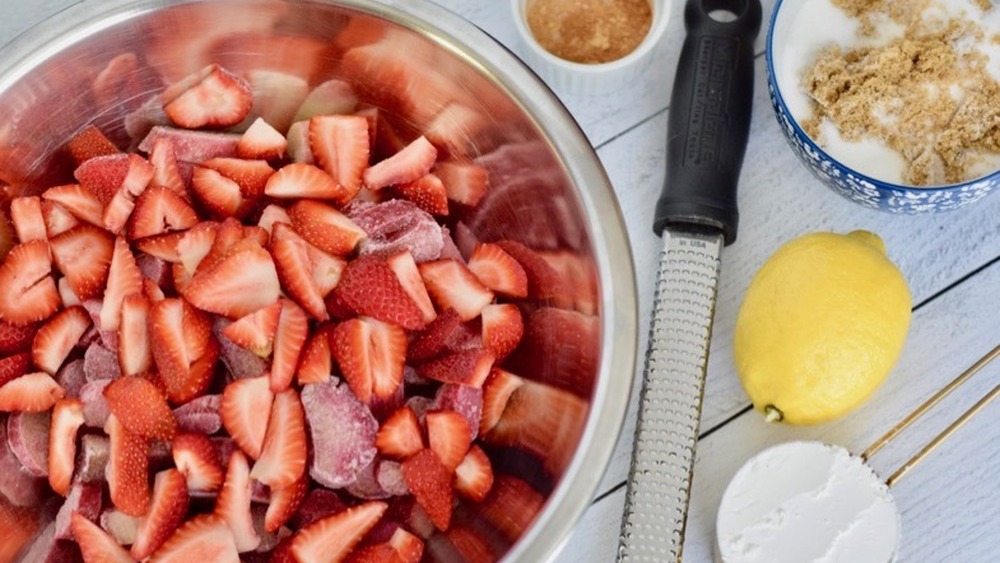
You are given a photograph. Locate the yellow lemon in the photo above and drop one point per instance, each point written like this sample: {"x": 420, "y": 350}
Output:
{"x": 821, "y": 326}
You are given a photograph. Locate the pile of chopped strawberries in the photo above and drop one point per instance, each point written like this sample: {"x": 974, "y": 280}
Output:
{"x": 267, "y": 345}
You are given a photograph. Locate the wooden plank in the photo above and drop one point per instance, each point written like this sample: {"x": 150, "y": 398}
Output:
{"x": 949, "y": 504}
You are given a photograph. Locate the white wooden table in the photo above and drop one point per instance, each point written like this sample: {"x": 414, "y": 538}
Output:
{"x": 951, "y": 504}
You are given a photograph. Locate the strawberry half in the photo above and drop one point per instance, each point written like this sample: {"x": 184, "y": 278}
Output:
{"x": 26, "y": 214}
{"x": 124, "y": 279}
{"x": 283, "y": 457}
{"x": 230, "y": 187}
{"x": 57, "y": 337}
{"x": 332, "y": 538}
{"x": 159, "y": 210}
{"x": 241, "y": 283}
{"x": 89, "y": 143}
{"x": 470, "y": 367}
{"x": 271, "y": 215}
{"x": 301, "y": 180}
{"x": 427, "y": 192}
{"x": 78, "y": 201}
{"x": 498, "y": 270}
{"x": 134, "y": 353}
{"x": 245, "y": 410}
{"x": 399, "y": 435}
{"x": 430, "y": 482}
{"x": 284, "y": 503}
{"x": 120, "y": 207}
{"x": 503, "y": 328}
{"x": 256, "y": 331}
{"x": 183, "y": 347}
{"x": 293, "y": 329}
{"x": 295, "y": 270}
{"x": 369, "y": 287}
{"x": 31, "y": 392}
{"x": 316, "y": 364}
{"x": 261, "y": 141}
{"x": 202, "y": 538}
{"x": 407, "y": 165}
{"x": 95, "y": 544}
{"x": 405, "y": 268}
{"x": 28, "y": 293}
{"x": 102, "y": 176}
{"x": 325, "y": 228}
{"x": 166, "y": 172}
{"x": 370, "y": 354}
{"x": 57, "y": 218}
{"x": 474, "y": 476}
{"x": 233, "y": 504}
{"x": 452, "y": 284}
{"x": 67, "y": 417}
{"x": 212, "y": 97}
{"x": 340, "y": 145}
{"x": 128, "y": 469}
{"x": 167, "y": 508}
{"x": 141, "y": 408}
{"x": 449, "y": 435}
{"x": 198, "y": 459}
{"x": 83, "y": 254}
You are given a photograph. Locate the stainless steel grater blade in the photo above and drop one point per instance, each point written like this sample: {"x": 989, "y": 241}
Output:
{"x": 670, "y": 401}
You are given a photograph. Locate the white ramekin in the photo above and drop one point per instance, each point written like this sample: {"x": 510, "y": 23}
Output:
{"x": 589, "y": 79}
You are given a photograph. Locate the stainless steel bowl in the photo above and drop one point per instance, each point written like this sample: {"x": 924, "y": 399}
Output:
{"x": 548, "y": 189}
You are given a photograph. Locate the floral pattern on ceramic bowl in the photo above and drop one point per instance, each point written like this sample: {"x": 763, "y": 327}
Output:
{"x": 853, "y": 185}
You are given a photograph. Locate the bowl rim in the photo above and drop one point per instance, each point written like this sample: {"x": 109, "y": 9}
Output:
{"x": 881, "y": 185}
{"x": 596, "y": 197}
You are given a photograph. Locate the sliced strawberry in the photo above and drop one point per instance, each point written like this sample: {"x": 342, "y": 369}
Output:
{"x": 89, "y": 143}
{"x": 230, "y": 187}
{"x": 14, "y": 366}
{"x": 474, "y": 476}
{"x": 497, "y": 389}
{"x": 245, "y": 411}
{"x": 370, "y": 354}
{"x": 452, "y": 285}
{"x": 124, "y": 279}
{"x": 407, "y": 165}
{"x": 301, "y": 180}
{"x": 427, "y": 192}
{"x": 295, "y": 270}
{"x": 183, "y": 347}
{"x": 26, "y": 214}
{"x": 380, "y": 553}
{"x": 128, "y": 469}
{"x": 136, "y": 180}
{"x": 464, "y": 182}
{"x": 283, "y": 457}
{"x": 327, "y": 269}
{"x": 369, "y": 287}
{"x": 166, "y": 171}
{"x": 470, "y": 367}
{"x": 273, "y": 214}
{"x": 405, "y": 268}
{"x": 433, "y": 341}
{"x": 298, "y": 143}
{"x": 340, "y": 145}
{"x": 511, "y": 506}
{"x": 31, "y": 392}
{"x": 28, "y": 293}
{"x": 430, "y": 482}
{"x": 198, "y": 459}
{"x": 449, "y": 436}
{"x": 66, "y": 294}
{"x": 14, "y": 339}
{"x": 67, "y": 417}
{"x": 332, "y": 538}
{"x": 134, "y": 353}
{"x": 498, "y": 270}
{"x": 261, "y": 141}
{"x": 157, "y": 211}
{"x": 503, "y": 328}
{"x": 293, "y": 329}
{"x": 78, "y": 201}
{"x": 83, "y": 254}
{"x": 57, "y": 218}
{"x": 233, "y": 504}
{"x": 192, "y": 147}
{"x": 284, "y": 503}
{"x": 202, "y": 538}
{"x": 240, "y": 284}
{"x": 212, "y": 97}
{"x": 103, "y": 175}
{"x": 325, "y": 228}
{"x": 399, "y": 435}
{"x": 163, "y": 247}
{"x": 57, "y": 337}
{"x": 167, "y": 508}
{"x": 141, "y": 408}
{"x": 408, "y": 546}
{"x": 96, "y": 545}
{"x": 256, "y": 331}
{"x": 193, "y": 245}
{"x": 316, "y": 364}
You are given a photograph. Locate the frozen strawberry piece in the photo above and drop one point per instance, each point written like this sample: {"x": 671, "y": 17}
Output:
{"x": 120, "y": 526}
{"x": 155, "y": 269}
{"x": 342, "y": 431}
{"x": 28, "y": 437}
{"x": 466, "y": 401}
{"x": 259, "y": 492}
{"x": 240, "y": 362}
{"x": 72, "y": 377}
{"x": 47, "y": 549}
{"x": 390, "y": 478}
{"x": 193, "y": 147}
{"x": 449, "y": 249}
{"x": 84, "y": 499}
{"x": 420, "y": 406}
{"x": 101, "y": 363}
{"x": 226, "y": 446}
{"x": 92, "y": 458}
{"x": 20, "y": 488}
{"x": 366, "y": 485}
{"x": 109, "y": 338}
{"x": 200, "y": 415}
{"x": 398, "y": 225}
{"x": 95, "y": 406}
{"x": 412, "y": 377}
{"x": 317, "y": 504}
{"x": 413, "y": 517}
{"x": 268, "y": 540}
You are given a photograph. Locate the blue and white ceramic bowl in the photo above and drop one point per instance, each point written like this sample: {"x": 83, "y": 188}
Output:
{"x": 844, "y": 180}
